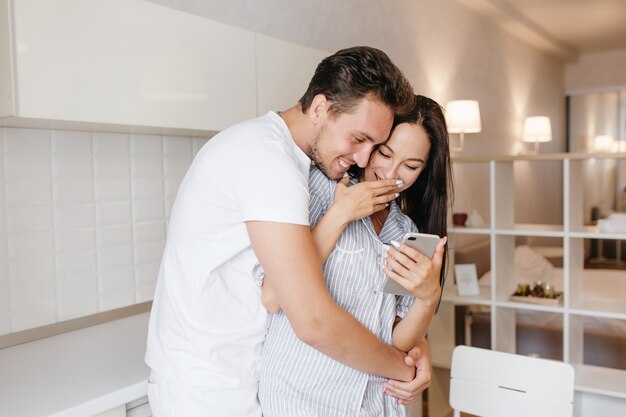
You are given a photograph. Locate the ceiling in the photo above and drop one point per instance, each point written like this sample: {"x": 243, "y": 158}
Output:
{"x": 565, "y": 27}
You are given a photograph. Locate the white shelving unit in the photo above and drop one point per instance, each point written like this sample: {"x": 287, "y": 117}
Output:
{"x": 598, "y": 389}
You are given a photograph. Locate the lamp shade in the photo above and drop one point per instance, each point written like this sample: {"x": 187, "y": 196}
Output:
{"x": 463, "y": 116}
{"x": 537, "y": 129}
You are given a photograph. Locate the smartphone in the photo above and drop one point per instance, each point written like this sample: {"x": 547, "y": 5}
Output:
{"x": 423, "y": 243}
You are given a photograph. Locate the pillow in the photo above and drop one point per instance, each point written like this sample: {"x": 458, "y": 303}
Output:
{"x": 529, "y": 267}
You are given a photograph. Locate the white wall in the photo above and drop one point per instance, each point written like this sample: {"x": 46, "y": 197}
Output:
{"x": 597, "y": 70}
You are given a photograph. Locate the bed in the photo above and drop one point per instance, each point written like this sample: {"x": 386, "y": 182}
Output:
{"x": 541, "y": 333}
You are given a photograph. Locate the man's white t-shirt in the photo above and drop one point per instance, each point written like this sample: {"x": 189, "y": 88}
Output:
{"x": 207, "y": 322}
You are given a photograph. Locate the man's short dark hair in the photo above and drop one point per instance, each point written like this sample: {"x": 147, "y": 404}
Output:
{"x": 350, "y": 74}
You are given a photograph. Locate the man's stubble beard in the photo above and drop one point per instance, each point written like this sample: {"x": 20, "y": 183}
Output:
{"x": 316, "y": 157}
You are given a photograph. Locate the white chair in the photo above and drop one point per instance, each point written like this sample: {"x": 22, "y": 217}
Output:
{"x": 495, "y": 384}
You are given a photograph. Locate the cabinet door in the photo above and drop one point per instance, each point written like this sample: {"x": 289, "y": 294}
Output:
{"x": 284, "y": 70}
{"x": 130, "y": 62}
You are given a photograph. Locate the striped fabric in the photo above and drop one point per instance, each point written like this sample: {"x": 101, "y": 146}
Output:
{"x": 295, "y": 379}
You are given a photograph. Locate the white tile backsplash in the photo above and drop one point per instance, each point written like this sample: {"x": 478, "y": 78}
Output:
{"x": 116, "y": 190}
{"x": 145, "y": 274}
{"x": 74, "y": 216}
{"x": 178, "y": 146}
{"x": 76, "y": 240}
{"x": 111, "y": 144}
{"x": 29, "y": 218}
{"x": 116, "y": 280}
{"x": 147, "y": 210}
{"x": 72, "y": 143}
{"x": 149, "y": 252}
{"x": 176, "y": 166}
{"x": 115, "y": 235}
{"x": 23, "y": 167}
{"x": 148, "y": 188}
{"x": 113, "y": 213}
{"x": 145, "y": 145}
{"x": 111, "y": 301}
{"x": 149, "y": 231}
{"x": 75, "y": 263}
{"x": 115, "y": 257}
{"x": 28, "y": 192}
{"x": 73, "y": 191}
{"x": 5, "y": 300}
{"x": 77, "y": 307}
{"x": 26, "y": 142}
{"x": 31, "y": 271}
{"x": 83, "y": 218}
{"x": 76, "y": 286}
{"x": 30, "y": 244}
{"x": 5, "y": 282}
{"x": 147, "y": 166}
{"x": 112, "y": 167}
{"x": 73, "y": 167}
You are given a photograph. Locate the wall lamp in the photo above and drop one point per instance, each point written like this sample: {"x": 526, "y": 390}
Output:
{"x": 537, "y": 129}
{"x": 463, "y": 116}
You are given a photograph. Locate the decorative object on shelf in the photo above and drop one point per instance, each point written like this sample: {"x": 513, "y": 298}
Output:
{"x": 459, "y": 219}
{"x": 466, "y": 279}
{"x": 537, "y": 129}
{"x": 475, "y": 220}
{"x": 462, "y": 116}
{"x": 538, "y": 293}
{"x": 604, "y": 143}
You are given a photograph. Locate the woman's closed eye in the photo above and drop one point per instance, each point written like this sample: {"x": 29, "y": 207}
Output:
{"x": 383, "y": 154}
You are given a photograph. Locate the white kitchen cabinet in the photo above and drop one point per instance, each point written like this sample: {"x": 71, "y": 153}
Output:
{"x": 598, "y": 390}
{"x": 284, "y": 70}
{"x": 107, "y": 64}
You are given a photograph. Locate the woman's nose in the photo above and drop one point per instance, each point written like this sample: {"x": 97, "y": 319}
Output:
{"x": 391, "y": 172}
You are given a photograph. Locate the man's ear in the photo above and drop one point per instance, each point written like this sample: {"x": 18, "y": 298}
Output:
{"x": 318, "y": 110}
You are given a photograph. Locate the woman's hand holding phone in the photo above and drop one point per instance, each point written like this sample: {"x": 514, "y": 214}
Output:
{"x": 415, "y": 272}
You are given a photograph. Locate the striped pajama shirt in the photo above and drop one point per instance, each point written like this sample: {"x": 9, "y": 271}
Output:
{"x": 299, "y": 381}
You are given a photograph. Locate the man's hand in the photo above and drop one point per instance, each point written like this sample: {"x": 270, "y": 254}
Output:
{"x": 409, "y": 392}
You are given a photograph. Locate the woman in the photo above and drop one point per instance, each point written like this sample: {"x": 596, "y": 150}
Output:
{"x": 351, "y": 227}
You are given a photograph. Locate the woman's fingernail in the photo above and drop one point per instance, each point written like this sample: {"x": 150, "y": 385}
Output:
{"x": 397, "y": 195}
{"x": 386, "y": 247}
{"x": 445, "y": 240}
{"x": 395, "y": 244}
{"x": 399, "y": 183}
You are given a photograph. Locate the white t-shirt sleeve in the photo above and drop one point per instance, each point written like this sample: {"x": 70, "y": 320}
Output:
{"x": 270, "y": 184}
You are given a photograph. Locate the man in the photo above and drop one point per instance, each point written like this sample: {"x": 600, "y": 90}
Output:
{"x": 245, "y": 197}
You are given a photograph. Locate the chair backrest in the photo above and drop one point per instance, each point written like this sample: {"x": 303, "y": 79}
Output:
{"x": 487, "y": 383}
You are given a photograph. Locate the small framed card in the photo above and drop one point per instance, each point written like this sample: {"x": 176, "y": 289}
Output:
{"x": 466, "y": 279}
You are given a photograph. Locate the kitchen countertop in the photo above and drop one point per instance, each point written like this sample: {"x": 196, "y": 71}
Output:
{"x": 76, "y": 374}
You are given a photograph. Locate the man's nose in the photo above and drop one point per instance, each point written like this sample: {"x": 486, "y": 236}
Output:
{"x": 363, "y": 156}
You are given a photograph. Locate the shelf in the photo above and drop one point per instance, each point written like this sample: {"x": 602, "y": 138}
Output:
{"x": 592, "y": 232}
{"x": 528, "y": 306}
{"x": 469, "y": 230}
{"x": 598, "y": 380}
{"x": 574, "y": 318}
{"x": 521, "y": 229}
{"x": 539, "y": 157}
{"x": 607, "y": 308}
{"x": 484, "y": 298}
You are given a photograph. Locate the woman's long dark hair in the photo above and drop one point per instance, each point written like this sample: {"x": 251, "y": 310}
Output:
{"x": 426, "y": 201}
